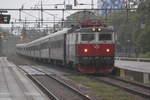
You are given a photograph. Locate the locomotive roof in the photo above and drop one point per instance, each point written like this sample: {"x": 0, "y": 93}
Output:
{"x": 89, "y": 29}
{"x": 43, "y": 39}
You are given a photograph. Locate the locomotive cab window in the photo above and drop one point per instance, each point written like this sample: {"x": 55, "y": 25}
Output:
{"x": 105, "y": 37}
{"x": 87, "y": 37}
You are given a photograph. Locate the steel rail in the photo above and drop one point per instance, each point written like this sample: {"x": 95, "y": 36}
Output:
{"x": 132, "y": 83}
{"x": 85, "y": 97}
{"x": 41, "y": 86}
{"x": 129, "y": 89}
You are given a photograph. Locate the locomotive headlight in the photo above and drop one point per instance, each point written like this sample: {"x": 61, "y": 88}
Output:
{"x": 2, "y": 36}
{"x": 85, "y": 50}
{"x": 93, "y": 29}
{"x": 99, "y": 29}
{"x": 107, "y": 50}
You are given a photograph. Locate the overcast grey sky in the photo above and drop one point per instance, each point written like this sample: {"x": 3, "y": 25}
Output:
{"x": 18, "y": 3}
{"x": 32, "y": 3}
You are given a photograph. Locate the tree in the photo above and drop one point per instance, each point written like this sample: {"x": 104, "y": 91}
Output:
{"x": 143, "y": 39}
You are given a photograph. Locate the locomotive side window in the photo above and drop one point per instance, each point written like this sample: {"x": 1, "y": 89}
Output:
{"x": 87, "y": 37}
{"x": 105, "y": 37}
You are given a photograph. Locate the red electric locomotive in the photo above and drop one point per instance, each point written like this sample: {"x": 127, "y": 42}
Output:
{"x": 95, "y": 49}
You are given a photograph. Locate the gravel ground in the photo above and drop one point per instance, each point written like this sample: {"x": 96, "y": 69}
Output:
{"x": 58, "y": 89}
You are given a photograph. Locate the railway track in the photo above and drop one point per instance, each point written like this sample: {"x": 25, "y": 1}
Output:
{"x": 134, "y": 88}
{"x": 55, "y": 88}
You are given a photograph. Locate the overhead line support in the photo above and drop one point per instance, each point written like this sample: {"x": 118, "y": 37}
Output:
{"x": 9, "y": 9}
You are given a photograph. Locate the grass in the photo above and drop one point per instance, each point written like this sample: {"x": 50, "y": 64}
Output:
{"x": 104, "y": 91}
{"x": 145, "y": 55}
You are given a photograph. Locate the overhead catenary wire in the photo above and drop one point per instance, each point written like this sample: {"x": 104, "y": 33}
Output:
{"x": 30, "y": 14}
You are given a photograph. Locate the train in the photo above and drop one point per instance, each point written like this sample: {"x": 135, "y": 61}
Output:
{"x": 87, "y": 48}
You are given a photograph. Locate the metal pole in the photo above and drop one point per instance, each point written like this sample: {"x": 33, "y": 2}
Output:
{"x": 62, "y": 19}
{"x": 12, "y": 27}
{"x": 54, "y": 24}
{"x": 92, "y": 4}
{"x": 41, "y": 14}
{"x": 20, "y": 15}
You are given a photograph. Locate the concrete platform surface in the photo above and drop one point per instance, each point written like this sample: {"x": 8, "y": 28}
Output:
{"x": 133, "y": 65}
{"x": 14, "y": 85}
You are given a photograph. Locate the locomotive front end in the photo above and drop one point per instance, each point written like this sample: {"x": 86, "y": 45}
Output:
{"x": 95, "y": 50}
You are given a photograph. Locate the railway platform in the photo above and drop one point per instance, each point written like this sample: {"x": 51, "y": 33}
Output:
{"x": 14, "y": 85}
{"x": 134, "y": 69}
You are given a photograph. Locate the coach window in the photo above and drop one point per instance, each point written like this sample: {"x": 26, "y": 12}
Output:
{"x": 87, "y": 37}
{"x": 44, "y": 45}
